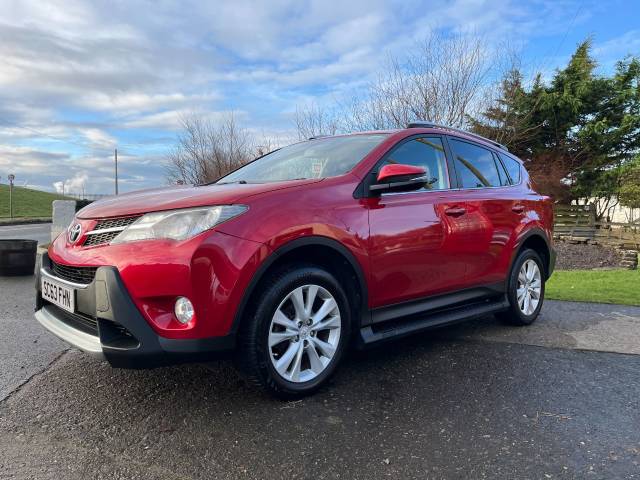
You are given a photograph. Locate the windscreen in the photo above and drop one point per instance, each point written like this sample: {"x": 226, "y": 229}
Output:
{"x": 319, "y": 158}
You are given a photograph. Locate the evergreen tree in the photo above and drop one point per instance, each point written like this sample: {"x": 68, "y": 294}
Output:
{"x": 576, "y": 132}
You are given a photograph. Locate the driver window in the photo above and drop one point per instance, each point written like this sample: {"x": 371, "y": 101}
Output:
{"x": 427, "y": 153}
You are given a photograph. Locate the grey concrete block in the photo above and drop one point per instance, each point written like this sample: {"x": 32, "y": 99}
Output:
{"x": 63, "y": 213}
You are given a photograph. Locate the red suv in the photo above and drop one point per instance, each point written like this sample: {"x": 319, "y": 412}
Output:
{"x": 357, "y": 238}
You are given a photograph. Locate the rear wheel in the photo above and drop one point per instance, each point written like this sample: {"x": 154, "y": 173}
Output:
{"x": 293, "y": 341}
{"x": 525, "y": 290}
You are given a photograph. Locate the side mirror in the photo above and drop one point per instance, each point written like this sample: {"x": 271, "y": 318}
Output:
{"x": 399, "y": 178}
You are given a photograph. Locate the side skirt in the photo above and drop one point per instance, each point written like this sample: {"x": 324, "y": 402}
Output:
{"x": 401, "y": 326}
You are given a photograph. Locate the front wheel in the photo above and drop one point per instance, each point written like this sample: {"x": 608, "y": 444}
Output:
{"x": 525, "y": 290}
{"x": 294, "y": 339}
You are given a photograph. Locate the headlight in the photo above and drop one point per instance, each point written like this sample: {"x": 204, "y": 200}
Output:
{"x": 178, "y": 224}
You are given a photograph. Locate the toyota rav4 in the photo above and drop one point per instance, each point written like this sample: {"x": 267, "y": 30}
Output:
{"x": 285, "y": 262}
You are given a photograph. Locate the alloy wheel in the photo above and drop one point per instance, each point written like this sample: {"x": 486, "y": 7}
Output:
{"x": 529, "y": 288}
{"x": 304, "y": 333}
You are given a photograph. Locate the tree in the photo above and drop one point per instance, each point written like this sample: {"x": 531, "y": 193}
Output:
{"x": 441, "y": 80}
{"x": 574, "y": 133}
{"x": 314, "y": 121}
{"x": 208, "y": 150}
{"x": 629, "y": 192}
{"x": 609, "y": 137}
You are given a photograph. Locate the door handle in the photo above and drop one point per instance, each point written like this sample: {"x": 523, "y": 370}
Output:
{"x": 518, "y": 208}
{"x": 455, "y": 211}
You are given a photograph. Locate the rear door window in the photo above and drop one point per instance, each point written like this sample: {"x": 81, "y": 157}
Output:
{"x": 475, "y": 165}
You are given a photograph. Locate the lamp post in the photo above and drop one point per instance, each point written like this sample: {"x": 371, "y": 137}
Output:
{"x": 116, "y": 161}
{"x": 11, "y": 178}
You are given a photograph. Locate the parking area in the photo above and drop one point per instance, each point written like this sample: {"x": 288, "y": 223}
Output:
{"x": 559, "y": 399}
{"x": 41, "y": 232}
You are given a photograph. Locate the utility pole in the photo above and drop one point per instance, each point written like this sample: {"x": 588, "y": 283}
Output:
{"x": 11, "y": 178}
{"x": 116, "y": 158}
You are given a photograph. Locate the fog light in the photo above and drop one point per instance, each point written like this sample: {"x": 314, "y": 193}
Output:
{"x": 183, "y": 310}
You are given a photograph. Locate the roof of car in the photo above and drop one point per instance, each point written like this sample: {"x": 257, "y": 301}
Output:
{"x": 430, "y": 127}
{"x": 474, "y": 136}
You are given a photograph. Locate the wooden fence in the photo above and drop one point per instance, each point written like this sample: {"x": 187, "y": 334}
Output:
{"x": 579, "y": 222}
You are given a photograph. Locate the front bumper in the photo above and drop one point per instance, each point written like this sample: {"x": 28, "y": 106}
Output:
{"x": 108, "y": 325}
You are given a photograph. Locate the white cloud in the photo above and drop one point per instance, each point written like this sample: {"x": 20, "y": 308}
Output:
{"x": 171, "y": 119}
{"x": 72, "y": 185}
{"x": 23, "y": 161}
{"x": 136, "y": 102}
{"x": 94, "y": 75}
{"x": 99, "y": 138}
{"x": 619, "y": 47}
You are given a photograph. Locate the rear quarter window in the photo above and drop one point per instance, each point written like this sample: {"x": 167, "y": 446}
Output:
{"x": 502, "y": 173}
{"x": 513, "y": 168}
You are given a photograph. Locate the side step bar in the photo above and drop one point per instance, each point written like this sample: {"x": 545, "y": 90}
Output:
{"x": 402, "y": 327}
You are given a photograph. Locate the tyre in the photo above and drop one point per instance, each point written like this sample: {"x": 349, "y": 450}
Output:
{"x": 292, "y": 341}
{"x": 525, "y": 289}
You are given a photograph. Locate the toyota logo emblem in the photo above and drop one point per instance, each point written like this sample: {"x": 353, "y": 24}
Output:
{"x": 75, "y": 232}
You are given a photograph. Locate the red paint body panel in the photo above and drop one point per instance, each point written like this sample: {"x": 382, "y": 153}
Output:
{"x": 211, "y": 269}
{"x": 390, "y": 171}
{"x": 414, "y": 248}
{"x": 408, "y": 246}
{"x": 169, "y": 198}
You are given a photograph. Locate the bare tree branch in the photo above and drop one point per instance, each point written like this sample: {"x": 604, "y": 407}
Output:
{"x": 442, "y": 80}
{"x": 207, "y": 150}
{"x": 313, "y": 121}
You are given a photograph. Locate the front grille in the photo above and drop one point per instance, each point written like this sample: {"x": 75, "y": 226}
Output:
{"x": 100, "y": 238}
{"x": 107, "y": 223}
{"x": 75, "y": 320}
{"x": 82, "y": 275}
{"x": 115, "y": 222}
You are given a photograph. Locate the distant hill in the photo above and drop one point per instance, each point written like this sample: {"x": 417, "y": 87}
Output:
{"x": 27, "y": 202}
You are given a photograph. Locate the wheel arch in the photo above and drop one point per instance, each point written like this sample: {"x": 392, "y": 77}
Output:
{"x": 537, "y": 240}
{"x": 317, "y": 250}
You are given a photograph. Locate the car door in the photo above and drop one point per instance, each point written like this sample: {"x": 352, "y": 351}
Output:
{"x": 414, "y": 236}
{"x": 491, "y": 210}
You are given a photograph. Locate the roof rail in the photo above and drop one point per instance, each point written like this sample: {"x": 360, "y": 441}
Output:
{"x": 421, "y": 124}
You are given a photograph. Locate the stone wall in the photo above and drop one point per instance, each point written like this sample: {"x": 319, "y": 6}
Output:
{"x": 629, "y": 259}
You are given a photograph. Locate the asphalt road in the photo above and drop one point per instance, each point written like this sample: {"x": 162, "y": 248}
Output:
{"x": 35, "y": 231}
{"x": 480, "y": 400}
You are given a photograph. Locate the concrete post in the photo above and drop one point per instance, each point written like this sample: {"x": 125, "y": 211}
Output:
{"x": 63, "y": 213}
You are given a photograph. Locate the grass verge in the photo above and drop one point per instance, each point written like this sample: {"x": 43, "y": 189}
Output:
{"x": 602, "y": 286}
{"x": 27, "y": 202}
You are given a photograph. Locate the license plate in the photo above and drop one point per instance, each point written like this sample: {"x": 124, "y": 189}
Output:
{"x": 59, "y": 294}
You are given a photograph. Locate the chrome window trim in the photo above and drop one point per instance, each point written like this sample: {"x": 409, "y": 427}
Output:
{"x": 485, "y": 188}
{"x": 387, "y": 194}
{"x": 449, "y": 190}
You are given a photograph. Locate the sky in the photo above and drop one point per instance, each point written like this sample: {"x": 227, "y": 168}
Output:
{"x": 78, "y": 79}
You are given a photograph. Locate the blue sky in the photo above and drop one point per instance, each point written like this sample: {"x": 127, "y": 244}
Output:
{"x": 78, "y": 79}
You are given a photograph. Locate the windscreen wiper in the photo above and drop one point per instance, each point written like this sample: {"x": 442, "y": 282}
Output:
{"x": 241, "y": 182}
